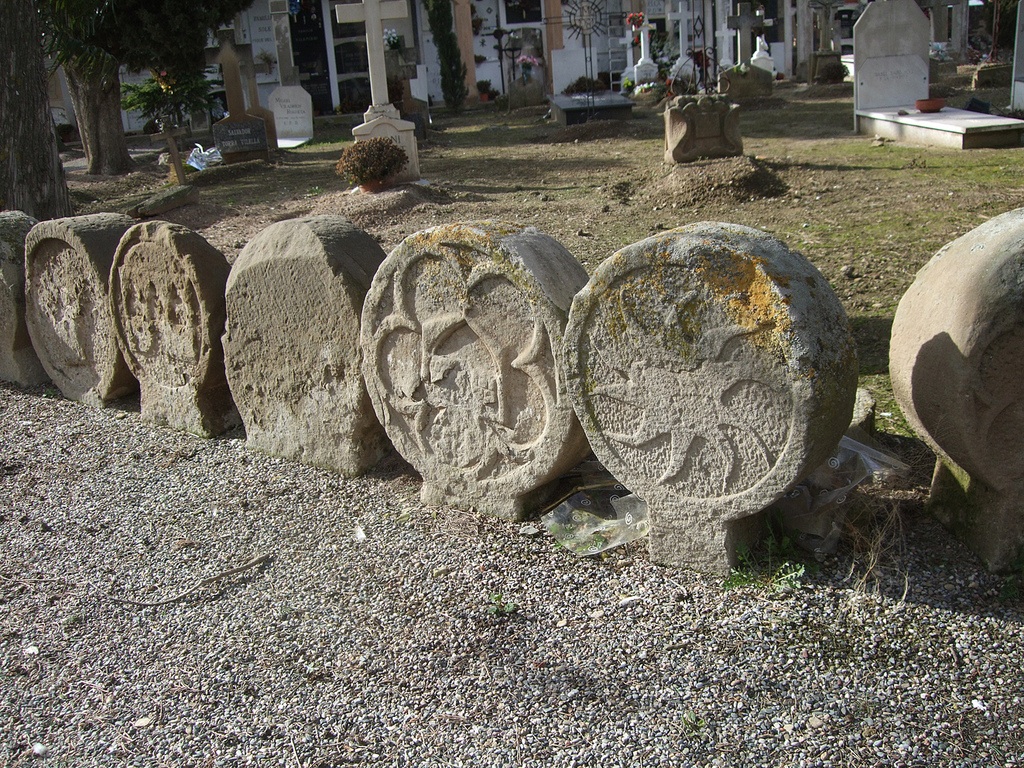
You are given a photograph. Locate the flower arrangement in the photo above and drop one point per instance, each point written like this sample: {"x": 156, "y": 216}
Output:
{"x": 528, "y": 61}
{"x": 392, "y": 39}
{"x": 635, "y": 20}
{"x": 372, "y": 162}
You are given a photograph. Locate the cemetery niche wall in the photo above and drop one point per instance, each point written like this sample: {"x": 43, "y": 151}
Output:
{"x": 712, "y": 369}
{"x": 462, "y": 357}
{"x": 294, "y": 299}
{"x": 955, "y": 364}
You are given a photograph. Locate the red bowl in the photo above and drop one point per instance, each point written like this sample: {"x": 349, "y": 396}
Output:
{"x": 929, "y": 105}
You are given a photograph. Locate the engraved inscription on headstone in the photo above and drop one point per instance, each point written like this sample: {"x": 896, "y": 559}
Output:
{"x": 238, "y": 136}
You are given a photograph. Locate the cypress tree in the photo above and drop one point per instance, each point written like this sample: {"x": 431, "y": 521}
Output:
{"x": 453, "y": 68}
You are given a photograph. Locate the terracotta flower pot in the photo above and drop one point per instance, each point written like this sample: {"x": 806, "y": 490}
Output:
{"x": 929, "y": 105}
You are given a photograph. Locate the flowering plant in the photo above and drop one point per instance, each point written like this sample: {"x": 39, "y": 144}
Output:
{"x": 528, "y": 61}
{"x": 635, "y": 20}
{"x": 391, "y": 39}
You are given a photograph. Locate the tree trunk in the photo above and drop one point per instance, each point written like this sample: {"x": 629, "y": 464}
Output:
{"x": 98, "y": 111}
{"x": 31, "y": 175}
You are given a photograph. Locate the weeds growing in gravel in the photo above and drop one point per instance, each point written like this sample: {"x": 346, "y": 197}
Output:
{"x": 775, "y": 566}
{"x": 501, "y": 606}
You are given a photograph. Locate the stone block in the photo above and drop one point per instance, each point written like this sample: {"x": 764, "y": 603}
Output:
{"x": 19, "y": 363}
{"x": 954, "y": 360}
{"x": 167, "y": 302}
{"x": 462, "y": 357}
{"x": 291, "y": 345}
{"x": 712, "y": 369}
{"x": 745, "y": 82}
{"x": 701, "y": 126}
{"x": 67, "y": 309}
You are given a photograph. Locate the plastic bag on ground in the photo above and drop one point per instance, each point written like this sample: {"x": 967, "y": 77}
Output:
{"x": 596, "y": 512}
{"x": 200, "y": 158}
{"x": 813, "y": 511}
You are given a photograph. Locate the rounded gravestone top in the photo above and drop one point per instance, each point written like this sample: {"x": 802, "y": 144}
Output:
{"x": 710, "y": 363}
{"x": 461, "y": 337}
{"x": 67, "y": 266}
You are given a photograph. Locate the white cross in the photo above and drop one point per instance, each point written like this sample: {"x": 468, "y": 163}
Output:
{"x": 682, "y": 17}
{"x": 373, "y": 13}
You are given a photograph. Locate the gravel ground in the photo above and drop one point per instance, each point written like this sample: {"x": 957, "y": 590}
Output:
{"x": 377, "y": 632}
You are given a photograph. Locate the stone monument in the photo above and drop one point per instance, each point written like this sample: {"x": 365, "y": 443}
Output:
{"x": 293, "y": 115}
{"x": 712, "y": 369}
{"x": 291, "y": 345}
{"x": 955, "y": 363}
{"x": 646, "y": 69}
{"x": 19, "y": 363}
{"x": 240, "y": 136}
{"x": 1017, "y": 81}
{"x": 381, "y": 119}
{"x": 167, "y": 301}
{"x": 701, "y": 126}
{"x": 462, "y": 357}
{"x": 67, "y": 310}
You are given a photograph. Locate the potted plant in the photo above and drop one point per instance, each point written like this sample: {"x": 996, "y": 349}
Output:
{"x": 483, "y": 87}
{"x": 372, "y": 164}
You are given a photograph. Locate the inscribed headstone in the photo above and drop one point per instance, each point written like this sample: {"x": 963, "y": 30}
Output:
{"x": 890, "y": 55}
{"x": 291, "y": 346}
{"x": 167, "y": 302}
{"x": 18, "y": 360}
{"x": 462, "y": 357}
{"x": 67, "y": 309}
{"x": 712, "y": 368}
{"x": 293, "y": 115}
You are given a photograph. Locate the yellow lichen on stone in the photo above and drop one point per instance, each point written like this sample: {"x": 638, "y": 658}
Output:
{"x": 750, "y": 296}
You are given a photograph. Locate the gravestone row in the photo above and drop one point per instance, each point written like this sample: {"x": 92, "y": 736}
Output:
{"x": 709, "y": 368}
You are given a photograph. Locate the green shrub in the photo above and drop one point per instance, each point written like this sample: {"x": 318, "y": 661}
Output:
{"x": 168, "y": 96}
{"x": 585, "y": 85}
{"x": 373, "y": 161}
{"x": 831, "y": 72}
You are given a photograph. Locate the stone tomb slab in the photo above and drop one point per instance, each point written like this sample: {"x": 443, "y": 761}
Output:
{"x": 955, "y": 360}
{"x": 890, "y": 49}
{"x": 19, "y": 363}
{"x": 293, "y": 115}
{"x": 167, "y": 301}
{"x": 575, "y": 109}
{"x": 67, "y": 308}
{"x": 291, "y": 346}
{"x": 712, "y": 369}
{"x": 462, "y": 357}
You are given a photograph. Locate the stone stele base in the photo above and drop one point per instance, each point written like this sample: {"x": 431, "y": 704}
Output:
{"x": 19, "y": 363}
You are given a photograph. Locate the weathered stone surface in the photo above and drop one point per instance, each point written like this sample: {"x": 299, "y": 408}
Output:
{"x": 67, "y": 267}
{"x": 955, "y": 363}
{"x": 291, "y": 346}
{"x": 701, "y": 126}
{"x": 712, "y": 368}
{"x": 745, "y": 82}
{"x": 18, "y": 361}
{"x": 167, "y": 302}
{"x": 167, "y": 200}
{"x": 462, "y": 356}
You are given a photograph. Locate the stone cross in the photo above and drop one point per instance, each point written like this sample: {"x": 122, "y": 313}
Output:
{"x": 170, "y": 135}
{"x": 627, "y": 40}
{"x": 373, "y": 13}
{"x": 645, "y": 70}
{"x": 232, "y": 70}
{"x": 744, "y": 23}
{"x": 682, "y": 18}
